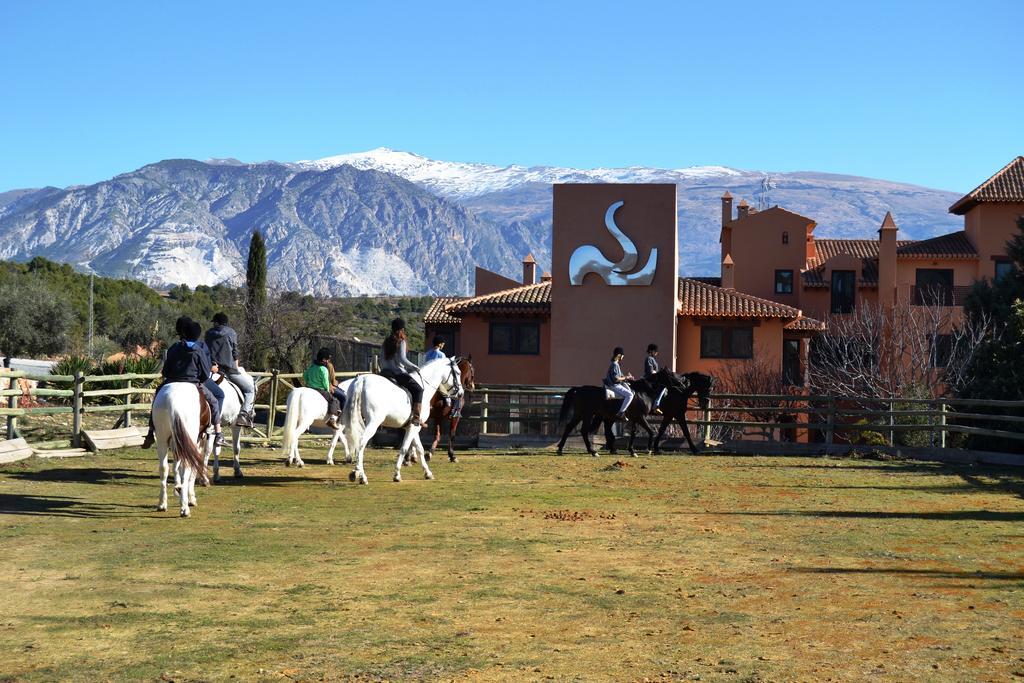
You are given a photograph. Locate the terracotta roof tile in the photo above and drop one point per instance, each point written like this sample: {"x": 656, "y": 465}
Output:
{"x": 701, "y": 299}
{"x": 775, "y": 210}
{"x": 528, "y": 299}
{"x": 437, "y": 314}
{"x": 805, "y": 324}
{"x": 953, "y": 245}
{"x": 1007, "y": 185}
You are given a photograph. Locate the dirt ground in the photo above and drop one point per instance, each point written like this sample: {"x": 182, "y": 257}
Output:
{"x": 528, "y": 567}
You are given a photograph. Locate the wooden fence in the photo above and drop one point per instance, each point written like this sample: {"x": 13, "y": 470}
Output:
{"x": 522, "y": 409}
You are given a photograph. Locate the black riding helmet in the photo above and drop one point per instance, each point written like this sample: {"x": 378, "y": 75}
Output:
{"x": 182, "y": 325}
{"x": 618, "y": 352}
{"x": 396, "y": 325}
{"x": 324, "y": 354}
{"x": 195, "y": 330}
{"x": 220, "y": 319}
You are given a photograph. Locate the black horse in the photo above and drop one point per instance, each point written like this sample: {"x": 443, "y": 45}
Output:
{"x": 674, "y": 405}
{"x": 588, "y": 406}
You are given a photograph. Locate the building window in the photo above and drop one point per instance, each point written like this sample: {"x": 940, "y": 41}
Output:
{"x": 843, "y": 290}
{"x": 785, "y": 237}
{"x": 791, "y": 372}
{"x": 942, "y": 350}
{"x": 783, "y": 281}
{"x": 518, "y": 338}
{"x": 726, "y": 342}
{"x": 1004, "y": 267}
{"x": 934, "y": 286}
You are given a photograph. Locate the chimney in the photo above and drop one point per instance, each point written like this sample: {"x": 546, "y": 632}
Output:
{"x": 887, "y": 261}
{"x": 728, "y": 281}
{"x": 743, "y": 210}
{"x": 529, "y": 270}
{"x": 545, "y": 276}
{"x": 726, "y": 235}
{"x": 726, "y": 208}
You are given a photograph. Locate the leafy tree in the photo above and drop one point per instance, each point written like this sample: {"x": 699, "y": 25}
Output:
{"x": 35, "y": 320}
{"x": 256, "y": 301}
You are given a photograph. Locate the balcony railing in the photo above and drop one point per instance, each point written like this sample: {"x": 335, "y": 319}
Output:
{"x": 941, "y": 296}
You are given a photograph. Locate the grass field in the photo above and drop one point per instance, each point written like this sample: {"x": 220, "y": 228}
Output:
{"x": 515, "y": 568}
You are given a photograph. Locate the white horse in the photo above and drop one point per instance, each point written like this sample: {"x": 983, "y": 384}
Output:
{"x": 176, "y": 425}
{"x": 306, "y": 406}
{"x": 230, "y": 408}
{"x": 375, "y": 402}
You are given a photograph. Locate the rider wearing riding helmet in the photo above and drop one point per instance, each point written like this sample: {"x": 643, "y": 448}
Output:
{"x": 396, "y": 366}
{"x": 616, "y": 382}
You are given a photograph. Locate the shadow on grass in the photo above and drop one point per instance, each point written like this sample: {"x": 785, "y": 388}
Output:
{"x": 83, "y": 475}
{"x": 934, "y": 573}
{"x": 949, "y": 516}
{"x": 65, "y": 506}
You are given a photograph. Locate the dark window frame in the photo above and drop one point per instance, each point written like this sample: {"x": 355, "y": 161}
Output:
{"x": 842, "y": 307}
{"x": 792, "y": 375}
{"x": 1005, "y": 263}
{"x": 785, "y": 237}
{"x": 780, "y": 282}
{"x": 727, "y": 343}
{"x": 516, "y": 327}
{"x": 929, "y": 293}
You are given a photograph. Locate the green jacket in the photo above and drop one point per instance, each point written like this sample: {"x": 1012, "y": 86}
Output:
{"x": 315, "y": 377}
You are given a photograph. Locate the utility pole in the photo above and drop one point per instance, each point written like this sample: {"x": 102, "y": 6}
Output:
{"x": 91, "y": 278}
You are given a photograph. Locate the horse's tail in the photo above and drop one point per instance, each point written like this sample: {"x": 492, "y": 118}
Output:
{"x": 352, "y": 416}
{"x": 567, "y": 406}
{"x": 185, "y": 447}
{"x": 291, "y": 422}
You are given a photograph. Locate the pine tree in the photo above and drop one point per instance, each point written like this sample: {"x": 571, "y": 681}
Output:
{"x": 255, "y": 300}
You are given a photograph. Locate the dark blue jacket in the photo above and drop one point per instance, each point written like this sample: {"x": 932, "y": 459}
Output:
{"x": 223, "y": 344}
{"x": 184, "y": 364}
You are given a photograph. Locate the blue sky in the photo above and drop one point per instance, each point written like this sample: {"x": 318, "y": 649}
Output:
{"x": 930, "y": 93}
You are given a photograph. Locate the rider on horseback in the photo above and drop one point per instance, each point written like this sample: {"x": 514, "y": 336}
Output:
{"x": 616, "y": 382}
{"x": 651, "y": 367}
{"x": 188, "y": 361}
{"x": 222, "y": 342}
{"x": 317, "y": 376}
{"x": 396, "y": 367}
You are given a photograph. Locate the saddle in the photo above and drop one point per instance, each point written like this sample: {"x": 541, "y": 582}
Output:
{"x": 219, "y": 379}
{"x": 609, "y": 394}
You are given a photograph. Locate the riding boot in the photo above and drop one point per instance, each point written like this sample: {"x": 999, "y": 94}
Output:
{"x": 332, "y": 421}
{"x": 243, "y": 420}
{"x": 414, "y": 420}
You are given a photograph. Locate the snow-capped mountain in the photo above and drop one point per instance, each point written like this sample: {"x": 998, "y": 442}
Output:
{"x": 460, "y": 180}
{"x": 385, "y": 221}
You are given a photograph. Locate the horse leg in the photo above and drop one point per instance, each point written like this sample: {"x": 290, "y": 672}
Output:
{"x": 632, "y": 438}
{"x": 650, "y": 432}
{"x": 216, "y": 458}
{"x": 344, "y": 444}
{"x": 236, "y": 449}
{"x": 334, "y": 444}
{"x": 568, "y": 430}
{"x": 181, "y": 478}
{"x": 418, "y": 446}
{"x": 665, "y": 421}
{"x": 585, "y": 429}
{"x": 161, "y": 451}
{"x": 192, "y": 500}
{"x": 369, "y": 430}
{"x": 437, "y": 436}
{"x": 609, "y": 436}
{"x": 403, "y": 453}
{"x": 686, "y": 431}
{"x": 453, "y": 423}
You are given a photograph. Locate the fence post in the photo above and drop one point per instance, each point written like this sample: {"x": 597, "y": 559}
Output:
{"x": 705, "y": 429}
{"x": 12, "y": 421}
{"x": 830, "y": 421}
{"x": 76, "y": 408}
{"x": 272, "y": 411}
{"x": 127, "y": 418}
{"x": 483, "y": 413}
{"x": 892, "y": 421}
{"x": 942, "y": 425}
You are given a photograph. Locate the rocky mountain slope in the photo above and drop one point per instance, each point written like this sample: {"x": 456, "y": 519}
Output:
{"x": 394, "y": 222}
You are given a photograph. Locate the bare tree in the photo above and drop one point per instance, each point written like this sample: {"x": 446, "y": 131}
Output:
{"x": 288, "y": 324}
{"x": 757, "y": 381}
{"x": 902, "y": 352}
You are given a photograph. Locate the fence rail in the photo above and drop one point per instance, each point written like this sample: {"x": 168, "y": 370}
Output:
{"x": 526, "y": 409}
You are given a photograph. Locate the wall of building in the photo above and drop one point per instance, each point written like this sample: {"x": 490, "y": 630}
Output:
{"x": 768, "y": 336}
{"x": 989, "y": 226}
{"x": 758, "y": 251}
{"x": 505, "y": 369}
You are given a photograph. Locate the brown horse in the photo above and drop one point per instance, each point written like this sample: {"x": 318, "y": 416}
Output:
{"x": 442, "y": 411}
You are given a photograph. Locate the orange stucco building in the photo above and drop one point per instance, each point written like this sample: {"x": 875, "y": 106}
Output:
{"x": 777, "y": 282}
